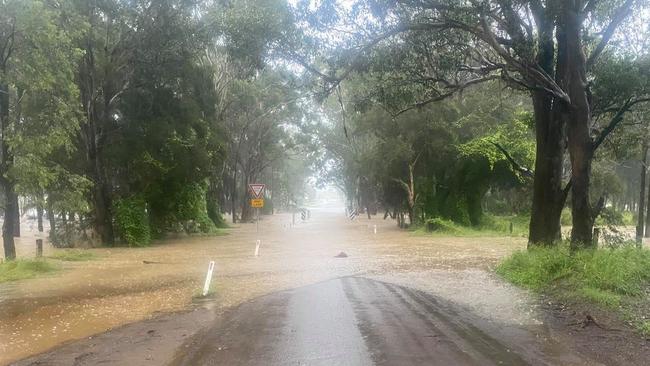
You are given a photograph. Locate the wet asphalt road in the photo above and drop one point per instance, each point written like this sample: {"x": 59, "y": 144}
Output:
{"x": 348, "y": 321}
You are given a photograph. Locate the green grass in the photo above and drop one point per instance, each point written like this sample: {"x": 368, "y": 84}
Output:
{"x": 624, "y": 271}
{"x": 613, "y": 279}
{"x": 644, "y": 328}
{"x": 73, "y": 255}
{"x": 490, "y": 226}
{"x": 23, "y": 268}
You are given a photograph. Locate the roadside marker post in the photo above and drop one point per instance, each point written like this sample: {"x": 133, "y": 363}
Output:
{"x": 374, "y": 228}
{"x": 39, "y": 248}
{"x": 208, "y": 279}
{"x": 257, "y": 202}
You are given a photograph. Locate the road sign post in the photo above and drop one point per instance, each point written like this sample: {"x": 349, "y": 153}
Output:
{"x": 257, "y": 202}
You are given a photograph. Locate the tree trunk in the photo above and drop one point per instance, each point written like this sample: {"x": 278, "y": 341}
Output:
{"x": 11, "y": 208}
{"x": 102, "y": 204}
{"x": 639, "y": 225}
{"x": 39, "y": 216}
{"x": 580, "y": 143}
{"x": 51, "y": 217}
{"x": 647, "y": 216}
{"x": 212, "y": 202}
{"x": 17, "y": 220}
{"x": 10, "y": 218}
{"x": 548, "y": 194}
{"x": 233, "y": 196}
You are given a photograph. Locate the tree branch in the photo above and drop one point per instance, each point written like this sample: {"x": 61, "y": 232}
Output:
{"x": 518, "y": 167}
{"x": 452, "y": 89}
{"x": 616, "y": 120}
{"x": 618, "y": 17}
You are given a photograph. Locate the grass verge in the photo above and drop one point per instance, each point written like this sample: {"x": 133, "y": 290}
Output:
{"x": 73, "y": 255}
{"x": 612, "y": 279}
{"x": 490, "y": 226}
{"x": 24, "y": 268}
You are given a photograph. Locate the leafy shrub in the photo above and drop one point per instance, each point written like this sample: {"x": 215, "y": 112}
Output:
{"x": 609, "y": 216}
{"x": 438, "y": 224}
{"x": 132, "y": 221}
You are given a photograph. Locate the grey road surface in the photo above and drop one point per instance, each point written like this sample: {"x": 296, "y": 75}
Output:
{"x": 355, "y": 321}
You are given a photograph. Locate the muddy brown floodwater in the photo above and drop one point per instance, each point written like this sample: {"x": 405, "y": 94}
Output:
{"x": 90, "y": 297}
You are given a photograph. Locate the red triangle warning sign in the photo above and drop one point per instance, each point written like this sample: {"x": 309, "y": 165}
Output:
{"x": 257, "y": 189}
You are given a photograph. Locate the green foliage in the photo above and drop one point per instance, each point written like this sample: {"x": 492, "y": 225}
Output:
{"x": 537, "y": 268}
{"x": 629, "y": 218}
{"x": 439, "y": 225}
{"x": 609, "y": 216}
{"x": 566, "y": 218}
{"x": 180, "y": 207}
{"x": 490, "y": 226}
{"x": 23, "y": 269}
{"x": 604, "y": 275}
{"x": 73, "y": 255}
{"x": 132, "y": 221}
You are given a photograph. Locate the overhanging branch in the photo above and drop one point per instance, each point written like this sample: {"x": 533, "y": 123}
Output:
{"x": 616, "y": 120}
{"x": 620, "y": 15}
{"x": 518, "y": 167}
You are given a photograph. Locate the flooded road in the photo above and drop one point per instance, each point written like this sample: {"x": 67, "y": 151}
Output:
{"x": 356, "y": 321}
{"x": 127, "y": 285}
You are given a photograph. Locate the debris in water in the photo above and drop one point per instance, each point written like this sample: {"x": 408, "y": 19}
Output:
{"x": 341, "y": 255}
{"x": 151, "y": 262}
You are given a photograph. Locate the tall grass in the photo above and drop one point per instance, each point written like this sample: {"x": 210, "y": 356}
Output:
{"x": 604, "y": 276}
{"x": 490, "y": 226}
{"x": 73, "y": 255}
{"x": 23, "y": 268}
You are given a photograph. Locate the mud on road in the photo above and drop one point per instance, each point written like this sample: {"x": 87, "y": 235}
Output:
{"x": 451, "y": 277}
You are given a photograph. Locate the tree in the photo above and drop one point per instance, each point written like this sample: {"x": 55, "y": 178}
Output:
{"x": 38, "y": 99}
{"x": 537, "y": 46}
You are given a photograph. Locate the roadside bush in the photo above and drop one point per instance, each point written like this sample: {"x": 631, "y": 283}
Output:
{"x": 132, "y": 221}
{"x": 438, "y": 224}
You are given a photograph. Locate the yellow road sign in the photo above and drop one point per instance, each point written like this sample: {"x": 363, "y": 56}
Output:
{"x": 257, "y": 202}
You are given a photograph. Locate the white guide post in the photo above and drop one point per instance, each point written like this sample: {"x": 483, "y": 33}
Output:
{"x": 208, "y": 279}
{"x": 257, "y": 247}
